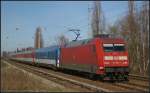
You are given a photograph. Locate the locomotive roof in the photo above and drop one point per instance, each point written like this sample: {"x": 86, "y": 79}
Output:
{"x": 85, "y": 41}
{"x": 77, "y": 43}
{"x": 112, "y": 40}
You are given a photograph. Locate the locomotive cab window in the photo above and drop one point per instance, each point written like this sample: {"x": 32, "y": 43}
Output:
{"x": 113, "y": 47}
{"x": 108, "y": 47}
{"x": 119, "y": 47}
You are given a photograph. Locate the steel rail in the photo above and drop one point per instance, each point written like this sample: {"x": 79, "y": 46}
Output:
{"x": 89, "y": 86}
{"x": 81, "y": 84}
{"x": 143, "y": 78}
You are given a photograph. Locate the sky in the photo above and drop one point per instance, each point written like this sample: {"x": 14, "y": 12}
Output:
{"x": 54, "y": 17}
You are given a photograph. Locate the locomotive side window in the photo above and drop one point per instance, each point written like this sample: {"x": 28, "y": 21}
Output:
{"x": 108, "y": 47}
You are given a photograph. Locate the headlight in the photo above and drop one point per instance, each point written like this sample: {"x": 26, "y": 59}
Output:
{"x": 125, "y": 62}
{"x": 122, "y": 57}
{"x": 106, "y": 62}
{"x": 108, "y": 58}
{"x": 101, "y": 67}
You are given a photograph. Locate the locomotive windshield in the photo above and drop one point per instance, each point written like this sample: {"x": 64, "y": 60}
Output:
{"x": 119, "y": 47}
{"x": 113, "y": 47}
{"x": 108, "y": 47}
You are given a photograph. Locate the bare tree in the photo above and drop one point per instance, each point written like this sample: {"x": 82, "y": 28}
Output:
{"x": 123, "y": 27}
{"x": 143, "y": 18}
{"x": 62, "y": 40}
{"x": 134, "y": 27}
{"x": 98, "y": 23}
{"x": 113, "y": 30}
{"x": 132, "y": 35}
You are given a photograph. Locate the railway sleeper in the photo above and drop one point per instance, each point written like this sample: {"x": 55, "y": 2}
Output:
{"x": 116, "y": 76}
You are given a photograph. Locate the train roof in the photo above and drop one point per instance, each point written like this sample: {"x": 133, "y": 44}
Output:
{"x": 77, "y": 43}
{"x": 24, "y": 52}
{"x": 112, "y": 40}
{"x": 86, "y": 41}
{"x": 50, "y": 48}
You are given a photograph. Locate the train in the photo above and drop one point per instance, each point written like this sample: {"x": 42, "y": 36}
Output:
{"x": 105, "y": 57}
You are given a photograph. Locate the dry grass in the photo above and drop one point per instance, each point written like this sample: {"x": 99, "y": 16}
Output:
{"x": 12, "y": 79}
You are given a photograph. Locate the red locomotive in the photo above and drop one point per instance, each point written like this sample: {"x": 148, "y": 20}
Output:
{"x": 106, "y": 57}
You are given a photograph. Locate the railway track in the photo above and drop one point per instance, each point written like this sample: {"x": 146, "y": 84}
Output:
{"x": 139, "y": 77}
{"x": 133, "y": 86}
{"x": 136, "y": 82}
{"x": 59, "y": 79}
{"x": 75, "y": 81}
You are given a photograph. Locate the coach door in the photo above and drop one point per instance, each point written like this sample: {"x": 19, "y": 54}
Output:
{"x": 57, "y": 59}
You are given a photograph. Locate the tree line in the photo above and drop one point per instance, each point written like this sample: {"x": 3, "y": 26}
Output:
{"x": 134, "y": 28}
